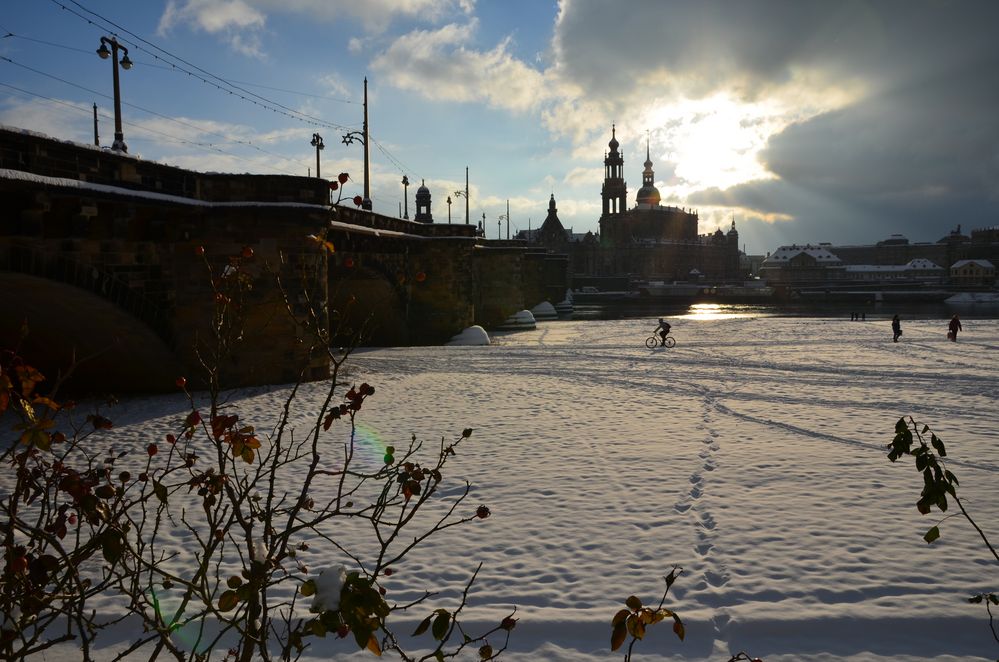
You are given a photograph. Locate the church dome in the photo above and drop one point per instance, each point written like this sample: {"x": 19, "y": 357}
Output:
{"x": 423, "y": 204}
{"x": 649, "y": 195}
{"x": 613, "y": 144}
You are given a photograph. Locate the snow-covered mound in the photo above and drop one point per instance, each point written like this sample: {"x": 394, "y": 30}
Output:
{"x": 544, "y": 311}
{"x": 519, "y": 321}
{"x": 473, "y": 335}
{"x": 564, "y": 307}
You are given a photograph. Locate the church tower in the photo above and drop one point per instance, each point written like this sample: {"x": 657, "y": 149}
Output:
{"x": 423, "y": 206}
{"x": 552, "y": 232}
{"x": 648, "y": 195}
{"x": 614, "y": 191}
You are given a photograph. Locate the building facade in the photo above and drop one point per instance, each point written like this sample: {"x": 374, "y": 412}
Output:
{"x": 649, "y": 241}
{"x": 954, "y": 261}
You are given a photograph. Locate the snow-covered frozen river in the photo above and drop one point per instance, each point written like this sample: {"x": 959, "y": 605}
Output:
{"x": 752, "y": 455}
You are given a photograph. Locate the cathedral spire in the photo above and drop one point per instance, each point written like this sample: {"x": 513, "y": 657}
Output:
{"x": 614, "y": 191}
{"x": 648, "y": 194}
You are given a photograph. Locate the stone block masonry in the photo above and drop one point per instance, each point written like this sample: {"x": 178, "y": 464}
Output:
{"x": 98, "y": 250}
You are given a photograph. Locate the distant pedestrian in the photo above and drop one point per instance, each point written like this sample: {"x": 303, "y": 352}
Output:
{"x": 954, "y": 327}
{"x": 863, "y": 316}
{"x": 896, "y": 328}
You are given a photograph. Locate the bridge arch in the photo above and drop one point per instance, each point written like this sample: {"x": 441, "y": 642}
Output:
{"x": 368, "y": 301}
{"x": 67, "y": 323}
{"x": 32, "y": 261}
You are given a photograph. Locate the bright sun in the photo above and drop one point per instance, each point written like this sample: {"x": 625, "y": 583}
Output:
{"x": 712, "y": 142}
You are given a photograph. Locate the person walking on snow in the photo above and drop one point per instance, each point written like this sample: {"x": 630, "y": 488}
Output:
{"x": 896, "y": 328}
{"x": 954, "y": 326}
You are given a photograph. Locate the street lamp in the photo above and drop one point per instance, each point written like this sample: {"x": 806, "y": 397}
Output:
{"x": 449, "y": 210}
{"x": 464, "y": 194}
{"x": 362, "y": 137}
{"x": 405, "y": 195}
{"x": 317, "y": 142}
{"x": 119, "y": 138}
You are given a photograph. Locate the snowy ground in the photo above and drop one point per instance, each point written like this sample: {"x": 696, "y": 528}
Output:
{"x": 751, "y": 455}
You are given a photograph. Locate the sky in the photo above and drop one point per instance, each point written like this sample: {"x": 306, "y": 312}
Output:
{"x": 803, "y": 121}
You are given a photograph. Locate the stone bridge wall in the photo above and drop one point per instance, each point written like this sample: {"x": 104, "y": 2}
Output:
{"x": 125, "y": 231}
{"x": 85, "y": 230}
{"x": 142, "y": 258}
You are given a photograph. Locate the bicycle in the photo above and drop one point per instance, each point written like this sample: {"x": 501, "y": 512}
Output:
{"x": 655, "y": 340}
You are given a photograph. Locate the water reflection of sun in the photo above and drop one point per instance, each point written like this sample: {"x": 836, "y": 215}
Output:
{"x": 702, "y": 312}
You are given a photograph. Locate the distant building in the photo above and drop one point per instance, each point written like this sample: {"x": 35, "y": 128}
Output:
{"x": 551, "y": 233}
{"x": 801, "y": 264}
{"x": 810, "y": 266}
{"x": 650, "y": 241}
{"x": 897, "y": 249}
{"x": 423, "y": 205}
{"x": 915, "y": 271}
{"x": 973, "y": 273}
{"x": 648, "y": 222}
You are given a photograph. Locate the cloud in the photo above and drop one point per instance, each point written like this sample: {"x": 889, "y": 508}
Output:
{"x": 211, "y": 15}
{"x": 585, "y": 176}
{"x": 66, "y": 120}
{"x": 810, "y": 119}
{"x": 238, "y": 22}
{"x": 242, "y": 19}
{"x": 333, "y": 84}
{"x": 375, "y": 15}
{"x": 753, "y": 48}
{"x": 439, "y": 64}
{"x": 910, "y": 160}
{"x": 861, "y": 119}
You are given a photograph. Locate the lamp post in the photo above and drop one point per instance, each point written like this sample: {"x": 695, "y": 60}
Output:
{"x": 363, "y": 138}
{"x": 505, "y": 217}
{"x": 119, "y": 138}
{"x": 317, "y": 142}
{"x": 464, "y": 194}
{"x": 405, "y": 196}
{"x": 449, "y": 210}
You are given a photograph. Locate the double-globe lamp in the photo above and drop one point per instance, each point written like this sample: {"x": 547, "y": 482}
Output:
{"x": 119, "y": 138}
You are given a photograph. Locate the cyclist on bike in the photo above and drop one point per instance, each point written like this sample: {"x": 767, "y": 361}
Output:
{"x": 663, "y": 329}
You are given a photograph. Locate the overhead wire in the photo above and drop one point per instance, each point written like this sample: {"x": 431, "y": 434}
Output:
{"x": 167, "y": 136}
{"x": 398, "y": 164}
{"x": 202, "y": 130}
{"x": 226, "y": 82}
{"x": 222, "y": 84}
{"x": 171, "y": 67}
{"x": 216, "y": 81}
